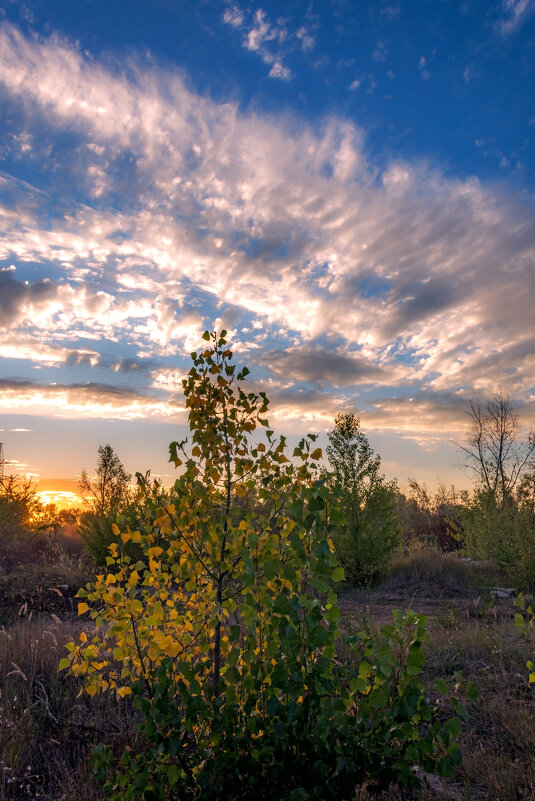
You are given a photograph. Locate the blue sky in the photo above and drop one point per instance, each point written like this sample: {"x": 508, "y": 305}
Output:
{"x": 347, "y": 187}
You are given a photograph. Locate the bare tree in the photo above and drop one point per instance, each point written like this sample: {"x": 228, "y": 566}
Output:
{"x": 492, "y": 449}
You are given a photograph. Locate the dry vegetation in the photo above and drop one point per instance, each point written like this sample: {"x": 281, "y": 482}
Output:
{"x": 47, "y": 729}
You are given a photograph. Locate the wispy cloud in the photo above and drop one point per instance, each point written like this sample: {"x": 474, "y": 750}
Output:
{"x": 515, "y": 12}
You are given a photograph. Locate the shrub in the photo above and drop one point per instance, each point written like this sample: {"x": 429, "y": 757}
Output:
{"x": 225, "y": 628}
{"x": 503, "y": 531}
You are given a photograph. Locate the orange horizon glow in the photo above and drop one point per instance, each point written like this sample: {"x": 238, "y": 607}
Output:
{"x": 62, "y": 499}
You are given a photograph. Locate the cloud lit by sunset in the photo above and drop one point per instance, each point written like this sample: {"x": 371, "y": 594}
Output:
{"x": 364, "y": 231}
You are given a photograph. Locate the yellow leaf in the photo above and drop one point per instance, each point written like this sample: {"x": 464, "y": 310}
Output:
{"x": 115, "y": 529}
{"x": 316, "y": 454}
{"x": 122, "y": 691}
{"x": 83, "y": 637}
{"x": 125, "y": 537}
{"x": 133, "y": 579}
{"x": 83, "y": 607}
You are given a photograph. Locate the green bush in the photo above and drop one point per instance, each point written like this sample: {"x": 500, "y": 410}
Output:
{"x": 318, "y": 735}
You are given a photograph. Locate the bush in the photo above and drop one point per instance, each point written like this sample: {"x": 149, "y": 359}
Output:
{"x": 136, "y": 509}
{"x": 225, "y": 630}
{"x": 503, "y": 531}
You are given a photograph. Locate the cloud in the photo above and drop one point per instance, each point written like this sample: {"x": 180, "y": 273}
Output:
{"x": 272, "y": 41}
{"x": 83, "y": 401}
{"x": 22, "y": 298}
{"x": 233, "y": 16}
{"x": 337, "y": 266}
{"x": 515, "y": 13}
{"x": 316, "y": 365}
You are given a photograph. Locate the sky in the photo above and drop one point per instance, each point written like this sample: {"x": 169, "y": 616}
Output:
{"x": 346, "y": 187}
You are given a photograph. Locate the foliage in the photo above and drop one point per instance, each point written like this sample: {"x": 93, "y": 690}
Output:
{"x": 369, "y": 530}
{"x": 504, "y": 532}
{"x": 499, "y": 515}
{"x": 525, "y": 619}
{"x": 20, "y": 507}
{"x": 373, "y": 726}
{"x": 225, "y": 629}
{"x": 136, "y": 509}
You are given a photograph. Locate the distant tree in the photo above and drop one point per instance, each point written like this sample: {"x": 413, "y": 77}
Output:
{"x": 108, "y": 489}
{"x": 106, "y": 497}
{"x": 492, "y": 449}
{"x": 369, "y": 529}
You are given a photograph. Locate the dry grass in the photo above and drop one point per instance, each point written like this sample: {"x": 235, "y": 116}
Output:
{"x": 47, "y": 582}
{"x": 431, "y": 572}
{"x": 46, "y": 730}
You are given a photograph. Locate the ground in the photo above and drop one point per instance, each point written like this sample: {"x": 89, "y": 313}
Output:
{"x": 47, "y": 729}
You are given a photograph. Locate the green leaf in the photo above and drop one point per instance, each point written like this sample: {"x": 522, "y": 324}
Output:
{"x": 338, "y": 574}
{"x": 453, "y": 725}
{"x": 173, "y": 774}
{"x": 64, "y": 663}
{"x": 472, "y": 693}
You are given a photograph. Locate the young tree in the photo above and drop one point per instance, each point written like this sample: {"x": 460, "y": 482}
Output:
{"x": 225, "y": 629}
{"x": 369, "y": 529}
{"x": 110, "y": 485}
{"x": 492, "y": 449}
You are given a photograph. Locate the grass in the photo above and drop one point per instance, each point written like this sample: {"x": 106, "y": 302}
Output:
{"x": 40, "y": 577}
{"x": 47, "y": 729}
{"x": 431, "y": 572}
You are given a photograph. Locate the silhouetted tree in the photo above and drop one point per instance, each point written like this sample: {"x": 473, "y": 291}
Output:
{"x": 109, "y": 487}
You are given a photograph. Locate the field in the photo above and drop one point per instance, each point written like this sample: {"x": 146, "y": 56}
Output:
{"x": 47, "y": 728}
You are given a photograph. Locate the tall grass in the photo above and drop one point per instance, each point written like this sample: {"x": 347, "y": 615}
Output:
{"x": 46, "y": 727}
